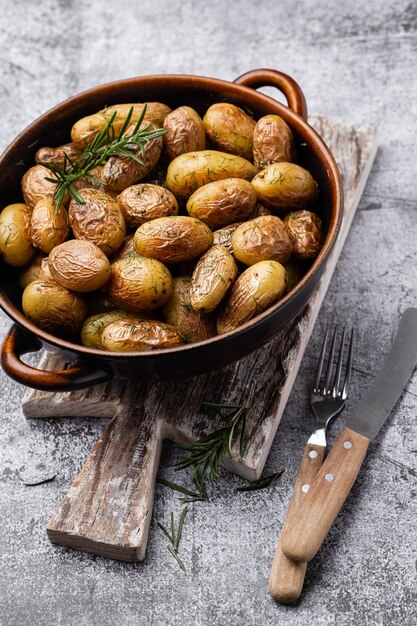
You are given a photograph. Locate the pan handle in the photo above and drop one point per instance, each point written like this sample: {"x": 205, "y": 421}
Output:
{"x": 19, "y": 342}
{"x": 271, "y": 78}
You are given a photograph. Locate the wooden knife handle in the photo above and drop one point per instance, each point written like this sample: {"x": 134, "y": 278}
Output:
{"x": 286, "y": 578}
{"x": 308, "y": 526}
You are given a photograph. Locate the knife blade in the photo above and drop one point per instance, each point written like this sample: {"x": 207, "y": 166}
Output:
{"x": 378, "y": 401}
{"x": 323, "y": 499}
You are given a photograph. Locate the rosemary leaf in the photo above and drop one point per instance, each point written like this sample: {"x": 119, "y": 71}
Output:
{"x": 177, "y": 558}
{"x": 262, "y": 483}
{"x": 180, "y": 527}
{"x": 187, "y": 492}
{"x": 164, "y": 530}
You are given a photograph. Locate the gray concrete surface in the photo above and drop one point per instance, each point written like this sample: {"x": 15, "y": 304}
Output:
{"x": 355, "y": 61}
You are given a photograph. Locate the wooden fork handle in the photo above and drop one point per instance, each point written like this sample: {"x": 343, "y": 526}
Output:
{"x": 307, "y": 528}
{"x": 286, "y": 578}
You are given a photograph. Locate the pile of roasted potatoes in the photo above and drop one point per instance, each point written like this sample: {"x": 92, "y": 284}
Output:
{"x": 211, "y": 228}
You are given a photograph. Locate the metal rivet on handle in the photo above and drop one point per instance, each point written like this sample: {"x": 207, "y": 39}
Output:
{"x": 329, "y": 477}
{"x": 313, "y": 454}
{"x": 305, "y": 488}
{"x": 347, "y": 445}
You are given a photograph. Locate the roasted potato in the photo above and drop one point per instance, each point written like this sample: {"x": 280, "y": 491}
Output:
{"x": 54, "y": 308}
{"x": 222, "y": 202}
{"x": 35, "y": 187}
{"x": 79, "y": 265}
{"x": 185, "y": 132}
{"x": 273, "y": 142}
{"x": 190, "y": 171}
{"x": 47, "y": 227}
{"x": 130, "y": 336}
{"x": 173, "y": 239}
{"x": 294, "y": 273}
{"x": 285, "y": 186}
{"x": 95, "y": 181}
{"x": 139, "y": 284}
{"x": 145, "y": 202}
{"x": 212, "y": 278}
{"x": 120, "y": 172}
{"x": 126, "y": 249}
{"x": 94, "y": 325}
{"x": 85, "y": 130}
{"x": 306, "y": 231}
{"x": 254, "y": 291}
{"x": 57, "y": 155}
{"x": 192, "y": 325}
{"x": 37, "y": 270}
{"x": 230, "y": 129}
{"x": 15, "y": 242}
{"x": 98, "y": 220}
{"x": 223, "y": 236}
{"x": 261, "y": 210}
{"x": 262, "y": 239}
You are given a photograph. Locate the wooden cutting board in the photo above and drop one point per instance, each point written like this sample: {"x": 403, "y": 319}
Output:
{"x": 108, "y": 508}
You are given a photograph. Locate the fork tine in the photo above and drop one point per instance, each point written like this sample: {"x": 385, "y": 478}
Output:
{"x": 335, "y": 391}
{"x": 348, "y": 367}
{"x": 330, "y": 363}
{"x": 321, "y": 361}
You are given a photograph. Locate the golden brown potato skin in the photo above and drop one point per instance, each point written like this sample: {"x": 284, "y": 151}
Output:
{"x": 222, "y": 202}
{"x": 185, "y": 132}
{"x": 130, "y": 336}
{"x": 98, "y": 220}
{"x": 254, "y": 291}
{"x": 54, "y": 308}
{"x": 285, "y": 186}
{"x": 37, "y": 270}
{"x": 214, "y": 274}
{"x": 121, "y": 172}
{"x": 223, "y": 236}
{"x": 230, "y": 129}
{"x": 173, "y": 239}
{"x": 192, "y": 325}
{"x": 190, "y": 171}
{"x": 126, "y": 249}
{"x": 139, "y": 284}
{"x": 85, "y": 130}
{"x": 94, "y": 326}
{"x": 144, "y": 202}
{"x": 273, "y": 142}
{"x": 47, "y": 227}
{"x": 57, "y": 155}
{"x": 79, "y": 265}
{"x": 306, "y": 231}
{"x": 15, "y": 242}
{"x": 294, "y": 273}
{"x": 262, "y": 239}
{"x": 35, "y": 187}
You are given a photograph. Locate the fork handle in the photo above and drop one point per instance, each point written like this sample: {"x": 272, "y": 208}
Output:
{"x": 306, "y": 530}
{"x": 286, "y": 578}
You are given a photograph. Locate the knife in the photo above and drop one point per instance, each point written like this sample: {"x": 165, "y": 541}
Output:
{"x": 308, "y": 526}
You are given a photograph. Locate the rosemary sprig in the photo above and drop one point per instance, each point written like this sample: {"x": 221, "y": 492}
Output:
{"x": 265, "y": 482}
{"x": 105, "y": 145}
{"x": 206, "y": 453}
{"x": 175, "y": 536}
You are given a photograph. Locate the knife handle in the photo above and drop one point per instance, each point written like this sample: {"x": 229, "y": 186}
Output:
{"x": 286, "y": 578}
{"x": 307, "y": 528}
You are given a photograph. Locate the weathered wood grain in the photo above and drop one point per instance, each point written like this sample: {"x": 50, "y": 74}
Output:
{"x": 108, "y": 508}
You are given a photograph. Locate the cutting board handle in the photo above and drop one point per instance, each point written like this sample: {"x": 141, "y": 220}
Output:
{"x": 108, "y": 509}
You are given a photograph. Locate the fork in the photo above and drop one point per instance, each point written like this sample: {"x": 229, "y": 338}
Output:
{"x": 327, "y": 401}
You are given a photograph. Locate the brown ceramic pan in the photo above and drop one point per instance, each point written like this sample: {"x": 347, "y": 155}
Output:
{"x": 53, "y": 128}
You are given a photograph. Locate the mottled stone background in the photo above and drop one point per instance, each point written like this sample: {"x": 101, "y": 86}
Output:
{"x": 355, "y": 61}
